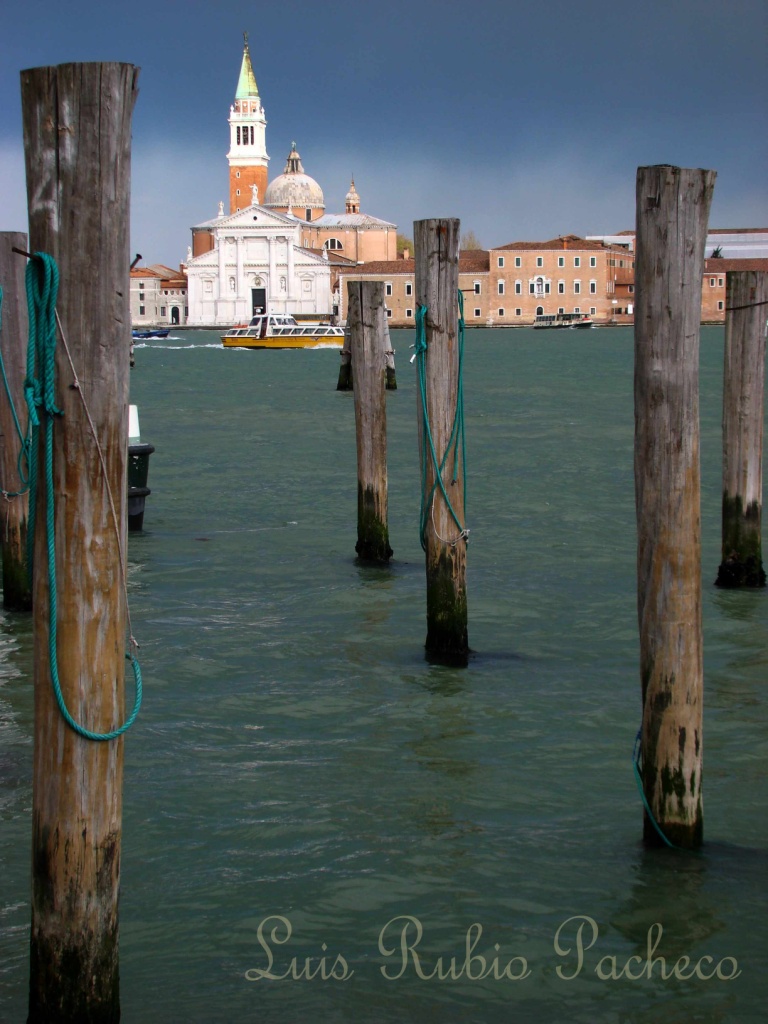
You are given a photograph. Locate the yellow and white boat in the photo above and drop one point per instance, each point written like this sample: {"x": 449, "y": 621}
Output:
{"x": 279, "y": 330}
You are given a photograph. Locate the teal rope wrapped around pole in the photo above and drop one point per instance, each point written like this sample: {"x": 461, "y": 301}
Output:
{"x": 456, "y": 441}
{"x": 42, "y": 280}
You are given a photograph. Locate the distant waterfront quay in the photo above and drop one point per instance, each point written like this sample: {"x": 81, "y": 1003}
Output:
{"x": 297, "y": 757}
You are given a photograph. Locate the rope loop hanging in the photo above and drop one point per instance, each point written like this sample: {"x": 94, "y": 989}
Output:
{"x": 455, "y": 446}
{"x": 42, "y": 281}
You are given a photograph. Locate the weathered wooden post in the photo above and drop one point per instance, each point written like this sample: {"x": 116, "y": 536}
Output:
{"x": 77, "y": 137}
{"x": 369, "y": 341}
{"x": 672, "y": 213}
{"x": 746, "y": 303}
{"x": 17, "y": 588}
{"x": 444, "y": 536}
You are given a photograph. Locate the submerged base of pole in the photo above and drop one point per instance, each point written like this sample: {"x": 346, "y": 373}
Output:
{"x": 736, "y": 572}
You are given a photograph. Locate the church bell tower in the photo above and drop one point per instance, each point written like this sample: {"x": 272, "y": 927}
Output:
{"x": 247, "y": 154}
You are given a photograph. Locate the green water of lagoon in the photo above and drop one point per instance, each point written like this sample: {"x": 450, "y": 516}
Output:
{"x": 297, "y": 758}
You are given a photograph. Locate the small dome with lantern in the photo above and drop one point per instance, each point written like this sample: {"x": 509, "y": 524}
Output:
{"x": 294, "y": 188}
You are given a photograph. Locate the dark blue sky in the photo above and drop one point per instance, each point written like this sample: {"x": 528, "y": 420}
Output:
{"x": 524, "y": 120}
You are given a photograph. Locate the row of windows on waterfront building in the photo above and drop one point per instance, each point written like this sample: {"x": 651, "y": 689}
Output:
{"x": 537, "y": 287}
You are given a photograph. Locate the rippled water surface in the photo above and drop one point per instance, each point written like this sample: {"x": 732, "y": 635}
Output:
{"x": 297, "y": 757}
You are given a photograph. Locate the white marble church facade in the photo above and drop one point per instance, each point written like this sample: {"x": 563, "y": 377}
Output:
{"x": 255, "y": 264}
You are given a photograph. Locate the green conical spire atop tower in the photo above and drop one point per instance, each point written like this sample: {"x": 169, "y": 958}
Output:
{"x": 246, "y": 83}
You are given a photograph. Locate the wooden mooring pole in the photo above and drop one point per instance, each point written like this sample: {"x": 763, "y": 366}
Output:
{"x": 746, "y": 304}
{"x": 14, "y": 506}
{"x": 436, "y": 244}
{"x": 369, "y": 341}
{"x": 77, "y": 138}
{"x": 672, "y": 214}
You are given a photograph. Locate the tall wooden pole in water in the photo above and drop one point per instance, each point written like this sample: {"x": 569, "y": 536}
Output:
{"x": 672, "y": 214}
{"x": 743, "y": 395}
{"x": 436, "y": 245}
{"x": 77, "y": 138}
{"x": 17, "y": 589}
{"x": 369, "y": 340}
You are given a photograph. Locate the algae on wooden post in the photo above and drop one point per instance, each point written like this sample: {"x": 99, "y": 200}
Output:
{"x": 672, "y": 213}
{"x": 437, "y": 284}
{"x": 368, "y": 343}
{"x": 743, "y": 407}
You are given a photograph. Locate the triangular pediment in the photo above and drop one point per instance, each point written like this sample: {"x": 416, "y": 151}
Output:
{"x": 253, "y": 217}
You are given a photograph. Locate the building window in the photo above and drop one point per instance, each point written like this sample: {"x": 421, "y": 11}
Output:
{"x": 561, "y": 287}
{"x": 477, "y": 312}
{"x": 631, "y": 288}
{"x": 238, "y": 135}
{"x": 237, "y": 174}
{"x": 389, "y": 314}
{"x": 577, "y": 261}
{"x": 539, "y": 311}
{"x": 592, "y": 311}
{"x": 162, "y": 311}
{"x": 476, "y": 287}
{"x": 308, "y": 215}
{"x": 501, "y": 262}
{"x": 711, "y": 282}
{"x": 561, "y": 261}
{"x": 518, "y": 287}
{"x": 501, "y": 287}
{"x": 388, "y": 288}
{"x": 577, "y": 287}
{"x": 518, "y": 261}
{"x": 561, "y": 309}
{"x": 409, "y": 312}
{"x": 518, "y": 312}
{"x": 501, "y": 312}
{"x": 539, "y": 261}
{"x": 333, "y": 243}
{"x": 593, "y": 261}
{"x": 593, "y": 287}
{"x": 408, "y": 288}
{"x": 237, "y": 192}
{"x": 720, "y": 282}
{"x": 141, "y": 311}
{"x": 720, "y": 304}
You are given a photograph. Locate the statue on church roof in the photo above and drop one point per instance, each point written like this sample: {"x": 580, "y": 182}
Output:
{"x": 221, "y": 208}
{"x": 254, "y": 195}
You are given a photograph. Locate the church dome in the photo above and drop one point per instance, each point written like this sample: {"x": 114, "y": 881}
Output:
{"x": 293, "y": 187}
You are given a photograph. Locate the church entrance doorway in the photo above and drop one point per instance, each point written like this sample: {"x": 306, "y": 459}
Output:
{"x": 258, "y": 301}
{"x": 175, "y": 315}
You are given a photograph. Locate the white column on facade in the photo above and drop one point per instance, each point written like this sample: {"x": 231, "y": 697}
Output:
{"x": 239, "y": 242}
{"x": 291, "y": 283}
{"x": 272, "y": 268}
{"x": 222, "y": 268}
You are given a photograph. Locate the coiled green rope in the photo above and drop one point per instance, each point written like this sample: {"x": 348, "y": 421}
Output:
{"x": 25, "y": 439}
{"x": 42, "y": 280}
{"x": 456, "y": 441}
{"x": 639, "y": 780}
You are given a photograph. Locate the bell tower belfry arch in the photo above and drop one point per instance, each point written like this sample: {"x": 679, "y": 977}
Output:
{"x": 247, "y": 156}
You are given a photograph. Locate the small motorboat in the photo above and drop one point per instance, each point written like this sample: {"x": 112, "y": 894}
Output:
{"x": 280, "y": 330}
{"x": 146, "y": 335}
